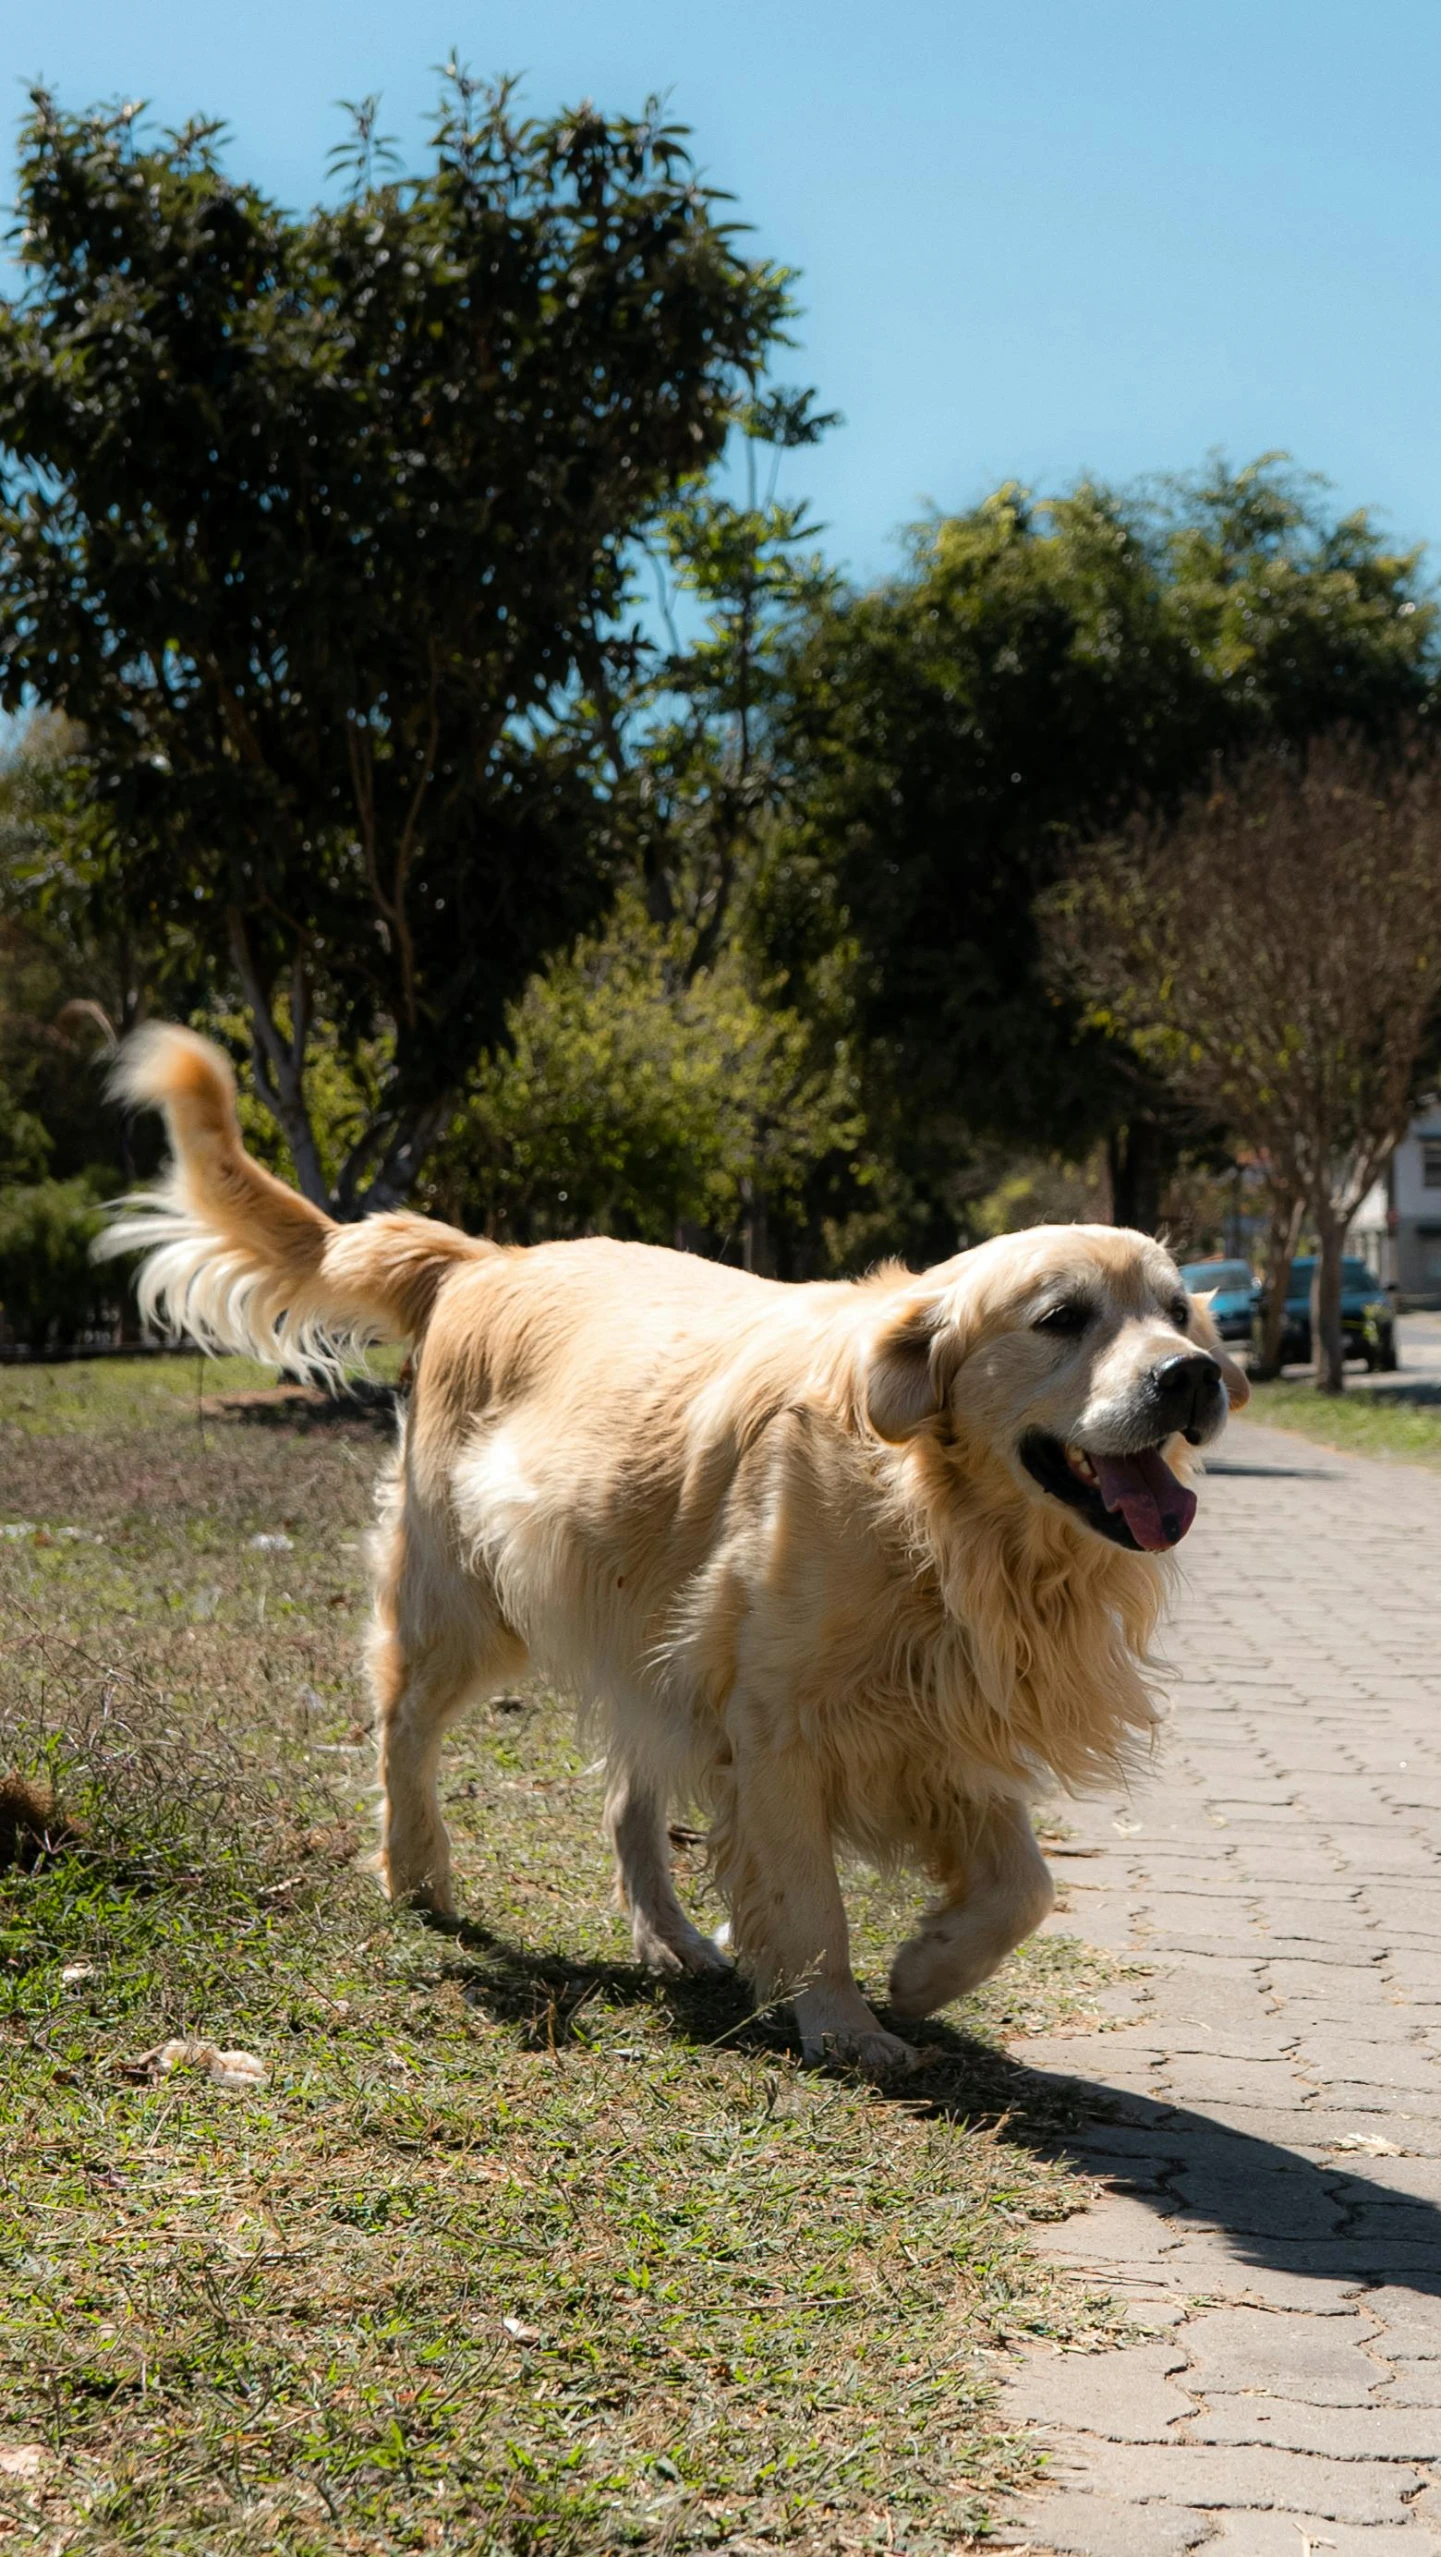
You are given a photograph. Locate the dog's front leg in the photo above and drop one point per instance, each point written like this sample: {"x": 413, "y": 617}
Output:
{"x": 777, "y": 1869}
{"x": 1001, "y": 1892}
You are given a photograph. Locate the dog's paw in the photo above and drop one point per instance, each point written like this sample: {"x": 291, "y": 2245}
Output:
{"x": 688, "y": 1955}
{"x": 431, "y": 1897}
{"x": 931, "y": 1970}
{"x": 876, "y": 2054}
{"x": 842, "y": 2028}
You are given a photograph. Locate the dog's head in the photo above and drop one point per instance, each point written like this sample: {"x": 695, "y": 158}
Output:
{"x": 1071, "y": 1353}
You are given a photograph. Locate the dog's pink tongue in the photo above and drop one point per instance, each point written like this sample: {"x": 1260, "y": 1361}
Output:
{"x": 1156, "y": 1508}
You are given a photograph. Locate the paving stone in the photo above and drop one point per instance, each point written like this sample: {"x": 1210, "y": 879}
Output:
{"x": 1366, "y": 2179}
{"x": 1413, "y": 1971}
{"x": 1390, "y": 2220}
{"x": 1417, "y": 2135}
{"x": 1164, "y": 1944}
{"x": 1339, "y": 2432}
{"x": 1125, "y": 2395}
{"x": 1242, "y": 1971}
{"x": 1204, "y": 1914}
{"x": 1220, "y": 2003}
{"x": 1337, "y": 1933}
{"x": 1288, "y": 2535}
{"x": 1299, "y": 2129}
{"x": 1260, "y": 2082}
{"x": 1367, "y": 2095}
{"x": 1414, "y": 2384}
{"x": 1202, "y": 2267}
{"x": 1200, "y": 2475}
{"x": 1319, "y": 2360}
{"x": 1381, "y": 1851}
{"x": 1357, "y": 2022}
{"x": 1127, "y": 2229}
{"x": 1293, "y": 2205}
{"x": 1296, "y": 1969}
{"x": 1409, "y": 2321}
{"x": 1101, "y": 2526}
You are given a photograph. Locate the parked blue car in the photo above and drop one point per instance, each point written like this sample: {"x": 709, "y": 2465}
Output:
{"x": 1233, "y": 1292}
{"x": 1368, "y": 1319}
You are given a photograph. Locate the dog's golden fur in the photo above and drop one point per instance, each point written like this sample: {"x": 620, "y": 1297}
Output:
{"x": 777, "y": 1539}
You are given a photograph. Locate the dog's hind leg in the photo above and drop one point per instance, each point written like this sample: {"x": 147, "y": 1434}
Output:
{"x": 663, "y": 1936}
{"x": 439, "y": 1645}
{"x": 1001, "y": 1892}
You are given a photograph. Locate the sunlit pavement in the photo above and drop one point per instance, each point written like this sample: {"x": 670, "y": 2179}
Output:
{"x": 1263, "y": 2116}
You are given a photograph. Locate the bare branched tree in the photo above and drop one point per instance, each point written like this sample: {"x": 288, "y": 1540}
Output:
{"x": 1278, "y": 946}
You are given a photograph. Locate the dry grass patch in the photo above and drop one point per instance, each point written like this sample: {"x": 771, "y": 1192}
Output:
{"x": 514, "y": 2248}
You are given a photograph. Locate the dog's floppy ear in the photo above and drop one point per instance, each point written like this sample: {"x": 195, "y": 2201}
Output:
{"x": 907, "y": 1367}
{"x": 1233, "y": 1377}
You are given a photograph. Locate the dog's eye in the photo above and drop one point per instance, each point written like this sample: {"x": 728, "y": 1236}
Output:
{"x": 1180, "y": 1312}
{"x": 1068, "y": 1318}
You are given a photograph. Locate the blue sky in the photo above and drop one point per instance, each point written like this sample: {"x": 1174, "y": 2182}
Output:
{"x": 1054, "y": 236}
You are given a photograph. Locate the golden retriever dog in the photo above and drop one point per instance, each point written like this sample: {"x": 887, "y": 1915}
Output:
{"x": 859, "y": 1565}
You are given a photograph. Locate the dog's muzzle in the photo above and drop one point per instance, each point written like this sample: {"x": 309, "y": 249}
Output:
{"x": 1186, "y": 1397}
{"x": 1129, "y": 1493}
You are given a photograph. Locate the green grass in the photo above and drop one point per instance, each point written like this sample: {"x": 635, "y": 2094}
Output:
{"x": 1374, "y": 1421}
{"x": 515, "y": 2249}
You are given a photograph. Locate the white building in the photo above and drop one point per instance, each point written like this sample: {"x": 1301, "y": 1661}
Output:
{"x": 1397, "y": 1228}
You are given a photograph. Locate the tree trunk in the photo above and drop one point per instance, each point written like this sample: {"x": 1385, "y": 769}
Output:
{"x": 755, "y": 1231}
{"x": 279, "y": 1063}
{"x": 286, "y": 1097}
{"x": 1280, "y": 1253}
{"x": 400, "y": 1169}
{"x": 1137, "y": 1156}
{"x": 1327, "y": 1346}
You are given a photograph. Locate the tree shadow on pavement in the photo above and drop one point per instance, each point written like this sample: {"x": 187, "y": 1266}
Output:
{"x": 1267, "y": 2205}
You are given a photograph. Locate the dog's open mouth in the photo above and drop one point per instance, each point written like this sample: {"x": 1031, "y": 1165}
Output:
{"x": 1136, "y": 1500}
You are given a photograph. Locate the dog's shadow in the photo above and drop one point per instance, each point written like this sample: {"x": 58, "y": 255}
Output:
{"x": 1272, "y": 2207}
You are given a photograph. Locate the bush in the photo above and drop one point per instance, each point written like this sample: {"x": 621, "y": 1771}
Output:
{"x": 49, "y": 1289}
{"x": 639, "y": 1100}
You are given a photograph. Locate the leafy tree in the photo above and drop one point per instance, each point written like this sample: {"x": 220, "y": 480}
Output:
{"x": 73, "y": 977}
{"x": 735, "y": 573}
{"x": 316, "y": 525}
{"x": 1277, "y": 945}
{"x": 1036, "y": 672}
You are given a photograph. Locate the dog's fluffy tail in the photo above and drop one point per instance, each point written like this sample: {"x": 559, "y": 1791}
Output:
{"x": 237, "y": 1261}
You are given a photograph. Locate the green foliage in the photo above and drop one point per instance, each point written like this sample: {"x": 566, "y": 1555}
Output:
{"x": 1038, "y": 1191}
{"x": 1038, "y": 669}
{"x": 1300, "y": 621}
{"x": 74, "y": 973}
{"x": 638, "y": 1096}
{"x": 24, "y": 1140}
{"x": 315, "y": 523}
{"x": 49, "y": 1290}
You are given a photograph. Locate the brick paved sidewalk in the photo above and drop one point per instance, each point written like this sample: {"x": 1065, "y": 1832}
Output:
{"x": 1267, "y": 2131}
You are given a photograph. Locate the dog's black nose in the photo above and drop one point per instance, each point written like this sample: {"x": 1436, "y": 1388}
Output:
{"x": 1188, "y": 1393}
